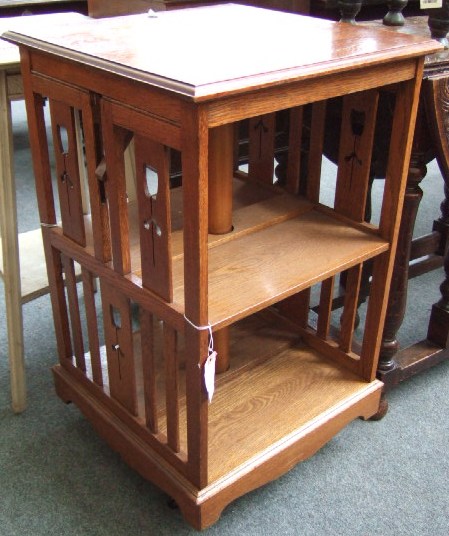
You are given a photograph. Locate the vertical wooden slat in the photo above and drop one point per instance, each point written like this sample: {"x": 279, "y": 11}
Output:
{"x": 97, "y": 188}
{"x": 38, "y": 143}
{"x": 67, "y": 170}
{"x": 58, "y": 300}
{"x": 89, "y": 290}
{"x": 117, "y": 322}
{"x": 75, "y": 318}
{"x": 352, "y": 289}
{"x": 154, "y": 215}
{"x": 149, "y": 370}
{"x": 261, "y": 148}
{"x": 115, "y": 142}
{"x": 195, "y": 192}
{"x": 318, "y": 122}
{"x": 294, "y": 150}
{"x": 354, "y": 162}
{"x": 171, "y": 387}
{"x": 325, "y": 307}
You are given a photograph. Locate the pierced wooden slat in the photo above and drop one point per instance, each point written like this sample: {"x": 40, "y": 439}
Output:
{"x": 117, "y": 320}
{"x": 318, "y": 121}
{"x": 261, "y": 148}
{"x": 89, "y": 290}
{"x": 325, "y": 307}
{"x": 153, "y": 196}
{"x": 354, "y": 161}
{"x": 67, "y": 170}
{"x": 115, "y": 142}
{"x": 75, "y": 318}
{"x": 171, "y": 387}
{"x": 149, "y": 370}
{"x": 294, "y": 150}
{"x": 352, "y": 289}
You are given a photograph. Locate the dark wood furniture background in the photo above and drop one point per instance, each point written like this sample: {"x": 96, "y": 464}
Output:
{"x": 13, "y": 8}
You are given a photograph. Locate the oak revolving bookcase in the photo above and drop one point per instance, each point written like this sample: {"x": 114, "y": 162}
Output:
{"x": 222, "y": 252}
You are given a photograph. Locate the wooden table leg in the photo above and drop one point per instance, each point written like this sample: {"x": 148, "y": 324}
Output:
{"x": 388, "y": 366}
{"x": 11, "y": 266}
{"x": 221, "y": 171}
{"x": 437, "y": 98}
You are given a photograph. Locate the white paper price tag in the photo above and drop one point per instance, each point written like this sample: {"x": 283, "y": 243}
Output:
{"x": 430, "y": 4}
{"x": 209, "y": 375}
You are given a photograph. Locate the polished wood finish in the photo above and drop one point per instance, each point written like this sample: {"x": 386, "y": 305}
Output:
{"x": 290, "y": 387}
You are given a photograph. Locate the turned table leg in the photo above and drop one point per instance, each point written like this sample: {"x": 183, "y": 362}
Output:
{"x": 398, "y": 291}
{"x": 437, "y": 100}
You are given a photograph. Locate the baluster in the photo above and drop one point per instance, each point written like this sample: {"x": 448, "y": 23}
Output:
{"x": 394, "y": 17}
{"x": 349, "y": 9}
{"x": 439, "y": 23}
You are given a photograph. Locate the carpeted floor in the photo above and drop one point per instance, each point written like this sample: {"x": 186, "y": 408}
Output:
{"x": 386, "y": 478}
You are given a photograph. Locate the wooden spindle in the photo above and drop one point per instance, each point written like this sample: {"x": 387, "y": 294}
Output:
{"x": 221, "y": 172}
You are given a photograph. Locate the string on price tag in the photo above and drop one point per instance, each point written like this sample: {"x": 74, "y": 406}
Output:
{"x": 209, "y": 364}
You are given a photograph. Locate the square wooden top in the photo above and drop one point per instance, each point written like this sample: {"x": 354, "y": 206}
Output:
{"x": 222, "y": 49}
{"x": 9, "y": 53}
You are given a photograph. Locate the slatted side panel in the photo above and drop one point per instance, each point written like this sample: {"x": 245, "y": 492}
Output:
{"x": 67, "y": 170}
{"x": 153, "y": 196}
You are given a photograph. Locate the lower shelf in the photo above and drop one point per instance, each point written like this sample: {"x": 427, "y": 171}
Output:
{"x": 277, "y": 405}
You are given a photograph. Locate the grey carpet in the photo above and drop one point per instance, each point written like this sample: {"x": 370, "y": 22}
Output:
{"x": 57, "y": 478}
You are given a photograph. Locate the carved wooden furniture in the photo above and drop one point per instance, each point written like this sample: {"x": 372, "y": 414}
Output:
{"x": 417, "y": 256}
{"x": 229, "y": 255}
{"x": 22, "y": 259}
